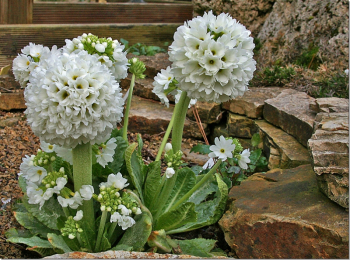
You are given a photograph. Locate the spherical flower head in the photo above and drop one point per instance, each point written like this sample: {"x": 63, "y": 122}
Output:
{"x": 222, "y": 149}
{"x": 212, "y": 57}
{"x": 74, "y": 101}
{"x": 243, "y": 159}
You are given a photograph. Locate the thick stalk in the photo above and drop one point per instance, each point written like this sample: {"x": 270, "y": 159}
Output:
{"x": 198, "y": 185}
{"x": 101, "y": 229}
{"x": 82, "y": 175}
{"x": 179, "y": 121}
{"x": 128, "y": 104}
{"x": 166, "y": 135}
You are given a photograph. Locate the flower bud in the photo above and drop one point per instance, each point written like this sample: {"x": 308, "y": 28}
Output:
{"x": 168, "y": 147}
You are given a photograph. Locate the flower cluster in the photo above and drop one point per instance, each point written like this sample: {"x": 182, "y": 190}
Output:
{"x": 120, "y": 206}
{"x": 71, "y": 226}
{"x": 109, "y": 52}
{"x": 164, "y": 84}
{"x": 74, "y": 100}
{"x": 173, "y": 160}
{"x": 73, "y": 200}
{"x": 212, "y": 57}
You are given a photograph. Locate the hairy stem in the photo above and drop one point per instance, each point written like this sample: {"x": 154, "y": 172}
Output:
{"x": 128, "y": 104}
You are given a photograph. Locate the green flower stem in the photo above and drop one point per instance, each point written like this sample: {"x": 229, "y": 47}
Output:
{"x": 128, "y": 104}
{"x": 198, "y": 185}
{"x": 111, "y": 229}
{"x": 101, "y": 230}
{"x": 66, "y": 211}
{"x": 166, "y": 135}
{"x": 82, "y": 175}
{"x": 179, "y": 121}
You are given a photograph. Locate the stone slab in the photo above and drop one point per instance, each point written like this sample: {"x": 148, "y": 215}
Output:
{"x": 209, "y": 113}
{"x": 251, "y": 104}
{"x": 240, "y": 126}
{"x": 330, "y": 104}
{"x": 151, "y": 117}
{"x": 281, "y": 149}
{"x": 283, "y": 215}
{"x": 290, "y": 111}
{"x": 10, "y": 101}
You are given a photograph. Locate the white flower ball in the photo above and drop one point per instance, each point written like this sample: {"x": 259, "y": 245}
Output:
{"x": 72, "y": 99}
{"x": 212, "y": 58}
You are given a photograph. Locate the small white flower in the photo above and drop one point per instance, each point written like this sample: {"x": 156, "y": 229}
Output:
{"x": 126, "y": 222}
{"x": 222, "y": 149}
{"x": 5, "y": 201}
{"x": 168, "y": 147}
{"x": 124, "y": 210}
{"x": 60, "y": 183}
{"x": 116, "y": 180}
{"x": 86, "y": 191}
{"x": 169, "y": 172}
{"x": 78, "y": 216}
{"x": 346, "y": 72}
{"x": 209, "y": 164}
{"x": 138, "y": 211}
{"x": 71, "y": 236}
{"x": 106, "y": 153}
{"x": 100, "y": 47}
{"x": 35, "y": 174}
{"x": 115, "y": 217}
{"x": 243, "y": 159}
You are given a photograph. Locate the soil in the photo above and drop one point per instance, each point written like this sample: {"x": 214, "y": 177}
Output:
{"x": 16, "y": 141}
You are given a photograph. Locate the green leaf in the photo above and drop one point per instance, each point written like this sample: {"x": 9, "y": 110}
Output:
{"x": 185, "y": 181}
{"x": 88, "y": 236}
{"x": 197, "y": 247}
{"x": 12, "y": 232}
{"x": 137, "y": 235}
{"x": 134, "y": 167}
{"x": 202, "y": 193}
{"x": 209, "y": 211}
{"x": 197, "y": 169}
{"x": 118, "y": 157}
{"x": 72, "y": 243}
{"x": 105, "y": 245}
{"x": 22, "y": 183}
{"x": 44, "y": 251}
{"x": 32, "y": 242}
{"x": 152, "y": 185}
{"x": 178, "y": 217}
{"x": 100, "y": 171}
{"x": 58, "y": 242}
{"x": 28, "y": 221}
{"x": 48, "y": 214}
{"x": 117, "y": 132}
{"x": 254, "y": 156}
{"x": 122, "y": 248}
{"x": 201, "y": 148}
{"x": 255, "y": 139}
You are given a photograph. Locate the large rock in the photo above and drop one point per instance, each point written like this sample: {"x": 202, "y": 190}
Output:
{"x": 251, "y": 104}
{"x": 329, "y": 150}
{"x": 283, "y": 215}
{"x": 290, "y": 111}
{"x": 240, "y": 126}
{"x": 208, "y": 112}
{"x": 251, "y": 14}
{"x": 154, "y": 64}
{"x": 151, "y": 117}
{"x": 295, "y": 25}
{"x": 281, "y": 149}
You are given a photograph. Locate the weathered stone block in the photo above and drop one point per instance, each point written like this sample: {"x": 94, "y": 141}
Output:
{"x": 251, "y": 104}
{"x": 283, "y": 215}
{"x": 9, "y": 101}
{"x": 222, "y": 130}
{"x": 281, "y": 149}
{"x": 240, "y": 126}
{"x": 330, "y": 104}
{"x": 208, "y": 112}
{"x": 290, "y": 111}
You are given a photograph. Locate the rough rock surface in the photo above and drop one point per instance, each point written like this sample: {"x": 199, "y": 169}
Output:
{"x": 251, "y": 104}
{"x": 240, "y": 126}
{"x": 208, "y": 112}
{"x": 283, "y": 215}
{"x": 251, "y": 14}
{"x": 290, "y": 111}
{"x": 329, "y": 150}
{"x": 295, "y": 25}
{"x": 281, "y": 149}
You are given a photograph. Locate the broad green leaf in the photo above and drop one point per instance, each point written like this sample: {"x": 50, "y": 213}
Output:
{"x": 254, "y": 156}
{"x": 197, "y": 247}
{"x": 44, "y": 251}
{"x": 12, "y": 232}
{"x": 28, "y": 221}
{"x": 118, "y": 157}
{"x": 117, "y": 132}
{"x": 152, "y": 185}
{"x": 88, "y": 236}
{"x": 134, "y": 167}
{"x": 197, "y": 169}
{"x": 72, "y": 243}
{"x": 22, "y": 183}
{"x": 185, "y": 181}
{"x": 140, "y": 144}
{"x": 58, "y": 242}
{"x": 178, "y": 217}
{"x": 48, "y": 213}
{"x": 122, "y": 248}
{"x": 210, "y": 211}
{"x": 31, "y": 242}
{"x": 201, "y": 148}
{"x": 137, "y": 235}
{"x": 255, "y": 139}
{"x": 100, "y": 171}
{"x": 202, "y": 193}
{"x": 105, "y": 245}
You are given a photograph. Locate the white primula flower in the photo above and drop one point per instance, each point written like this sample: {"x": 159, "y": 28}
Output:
{"x": 222, "y": 149}
{"x": 124, "y": 210}
{"x": 169, "y": 172}
{"x": 60, "y": 183}
{"x": 168, "y": 147}
{"x": 105, "y": 155}
{"x": 78, "y": 216}
{"x": 27, "y": 163}
{"x": 73, "y": 202}
{"x": 86, "y": 192}
{"x": 126, "y": 222}
{"x": 100, "y": 47}
{"x": 243, "y": 159}
{"x": 209, "y": 164}
{"x": 116, "y": 181}
{"x": 212, "y": 57}
{"x": 346, "y": 72}
{"x": 73, "y": 101}
{"x": 47, "y": 147}
{"x": 115, "y": 217}
{"x": 35, "y": 174}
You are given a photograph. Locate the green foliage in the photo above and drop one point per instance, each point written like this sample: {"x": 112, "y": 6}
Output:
{"x": 309, "y": 58}
{"x": 276, "y": 75}
{"x": 142, "y": 49}
{"x": 199, "y": 247}
{"x": 258, "y": 46}
{"x": 201, "y": 148}
{"x": 336, "y": 86}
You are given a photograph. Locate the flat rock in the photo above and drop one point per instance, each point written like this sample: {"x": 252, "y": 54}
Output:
{"x": 240, "y": 126}
{"x": 283, "y": 215}
{"x": 151, "y": 117}
{"x": 251, "y": 104}
{"x": 330, "y": 105}
{"x": 10, "y": 101}
{"x": 209, "y": 113}
{"x": 329, "y": 150}
{"x": 290, "y": 111}
{"x": 281, "y": 149}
